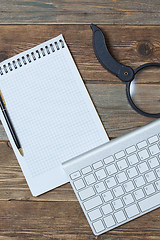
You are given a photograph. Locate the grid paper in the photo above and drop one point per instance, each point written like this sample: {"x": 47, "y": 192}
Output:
{"x": 52, "y": 114}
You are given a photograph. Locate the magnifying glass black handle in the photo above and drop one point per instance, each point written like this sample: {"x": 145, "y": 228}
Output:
{"x": 123, "y": 72}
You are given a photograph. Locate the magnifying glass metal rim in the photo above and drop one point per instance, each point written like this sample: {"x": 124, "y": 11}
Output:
{"x": 128, "y": 85}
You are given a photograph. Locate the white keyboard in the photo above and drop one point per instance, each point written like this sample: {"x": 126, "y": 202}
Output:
{"x": 118, "y": 181}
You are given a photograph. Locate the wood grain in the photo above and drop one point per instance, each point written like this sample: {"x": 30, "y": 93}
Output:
{"x": 13, "y": 185}
{"x": 66, "y": 221}
{"x": 144, "y": 12}
{"x": 57, "y": 215}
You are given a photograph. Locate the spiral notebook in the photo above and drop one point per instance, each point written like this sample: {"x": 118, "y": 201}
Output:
{"x": 51, "y": 112}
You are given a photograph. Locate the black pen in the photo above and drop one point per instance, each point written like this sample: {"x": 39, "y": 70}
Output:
{"x": 5, "y": 114}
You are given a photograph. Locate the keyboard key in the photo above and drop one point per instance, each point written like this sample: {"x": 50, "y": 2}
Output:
{"x": 150, "y": 202}
{"x": 132, "y": 210}
{"x": 75, "y": 175}
{"x": 142, "y": 144}
{"x": 143, "y": 154}
{"x": 122, "y": 164}
{"x": 139, "y": 181}
{"x": 158, "y": 172}
{"x": 109, "y": 221}
{"x": 118, "y": 191}
{"x": 150, "y": 176}
{"x": 149, "y": 189}
{"x": 119, "y": 154}
{"x": 154, "y": 149}
{"x": 128, "y": 199}
{"x": 86, "y": 170}
{"x": 139, "y": 194}
{"x": 128, "y": 186}
{"x": 100, "y": 174}
{"x": 153, "y": 162}
{"x": 98, "y": 226}
{"x": 121, "y": 177}
{"x": 90, "y": 179}
{"x": 110, "y": 182}
{"x": 79, "y": 184}
{"x": 100, "y": 187}
{"x": 108, "y": 160}
{"x": 117, "y": 204}
{"x": 133, "y": 159}
{"x": 111, "y": 169}
{"x": 153, "y": 139}
{"x": 120, "y": 217}
{"x": 157, "y": 185}
{"x": 132, "y": 172}
{"x": 92, "y": 203}
{"x": 107, "y": 196}
{"x": 86, "y": 193}
{"x": 143, "y": 167}
{"x": 98, "y": 165}
{"x": 95, "y": 214}
{"x": 131, "y": 149}
{"x": 107, "y": 209}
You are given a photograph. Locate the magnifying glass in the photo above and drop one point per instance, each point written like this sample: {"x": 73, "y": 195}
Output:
{"x": 142, "y": 83}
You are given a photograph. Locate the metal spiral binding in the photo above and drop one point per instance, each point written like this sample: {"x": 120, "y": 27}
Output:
{"x": 33, "y": 56}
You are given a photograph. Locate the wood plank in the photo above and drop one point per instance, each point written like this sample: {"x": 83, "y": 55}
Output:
{"x": 13, "y": 185}
{"x": 67, "y": 11}
{"x": 136, "y": 45}
{"x": 65, "y": 220}
{"x": 57, "y": 214}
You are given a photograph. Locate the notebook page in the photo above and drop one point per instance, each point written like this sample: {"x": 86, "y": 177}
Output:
{"x": 51, "y": 111}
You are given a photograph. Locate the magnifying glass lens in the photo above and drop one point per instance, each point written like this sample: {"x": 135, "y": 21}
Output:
{"x": 145, "y": 89}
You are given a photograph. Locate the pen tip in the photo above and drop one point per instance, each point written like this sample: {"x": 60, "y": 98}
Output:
{"x": 20, "y": 150}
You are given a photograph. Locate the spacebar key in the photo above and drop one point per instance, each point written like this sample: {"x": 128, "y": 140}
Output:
{"x": 150, "y": 202}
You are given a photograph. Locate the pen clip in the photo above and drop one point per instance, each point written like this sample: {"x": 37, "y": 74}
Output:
{"x": 2, "y": 97}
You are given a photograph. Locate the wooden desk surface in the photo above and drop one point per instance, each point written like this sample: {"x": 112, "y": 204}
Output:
{"x": 57, "y": 214}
